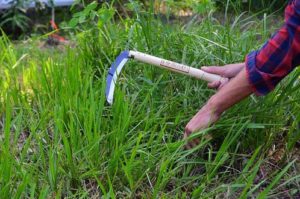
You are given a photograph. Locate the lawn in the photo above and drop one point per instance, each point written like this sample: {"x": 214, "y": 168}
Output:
{"x": 59, "y": 138}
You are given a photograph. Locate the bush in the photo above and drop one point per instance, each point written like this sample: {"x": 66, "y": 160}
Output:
{"x": 251, "y": 5}
{"x": 14, "y": 20}
{"x": 19, "y": 20}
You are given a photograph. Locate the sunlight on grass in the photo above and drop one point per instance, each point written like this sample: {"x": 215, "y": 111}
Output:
{"x": 59, "y": 138}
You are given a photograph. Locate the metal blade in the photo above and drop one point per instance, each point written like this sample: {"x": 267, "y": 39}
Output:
{"x": 113, "y": 74}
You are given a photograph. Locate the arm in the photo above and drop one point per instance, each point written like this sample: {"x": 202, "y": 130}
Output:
{"x": 231, "y": 93}
{"x": 263, "y": 70}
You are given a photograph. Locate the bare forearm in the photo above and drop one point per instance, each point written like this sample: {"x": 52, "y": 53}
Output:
{"x": 233, "y": 92}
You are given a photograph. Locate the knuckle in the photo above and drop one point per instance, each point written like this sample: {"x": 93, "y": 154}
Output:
{"x": 187, "y": 130}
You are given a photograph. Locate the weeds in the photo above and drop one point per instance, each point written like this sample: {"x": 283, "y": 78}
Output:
{"x": 75, "y": 145}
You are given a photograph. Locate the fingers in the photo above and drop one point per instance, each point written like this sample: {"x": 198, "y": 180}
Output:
{"x": 202, "y": 120}
{"x": 229, "y": 71}
{"x": 187, "y": 133}
{"x": 192, "y": 143}
{"x": 222, "y": 84}
{"x": 217, "y": 84}
{"x": 214, "y": 85}
{"x": 214, "y": 70}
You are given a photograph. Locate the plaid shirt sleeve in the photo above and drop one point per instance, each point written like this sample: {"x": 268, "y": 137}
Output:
{"x": 279, "y": 55}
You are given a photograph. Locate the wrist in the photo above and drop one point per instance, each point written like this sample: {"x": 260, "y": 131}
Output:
{"x": 233, "y": 92}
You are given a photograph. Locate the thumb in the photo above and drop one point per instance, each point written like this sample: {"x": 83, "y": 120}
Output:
{"x": 214, "y": 70}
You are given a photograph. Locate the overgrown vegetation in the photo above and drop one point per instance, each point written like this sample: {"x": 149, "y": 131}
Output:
{"x": 15, "y": 19}
{"x": 21, "y": 21}
{"x": 252, "y": 5}
{"x": 59, "y": 138}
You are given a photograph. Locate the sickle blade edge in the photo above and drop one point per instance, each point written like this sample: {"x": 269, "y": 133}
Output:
{"x": 113, "y": 73}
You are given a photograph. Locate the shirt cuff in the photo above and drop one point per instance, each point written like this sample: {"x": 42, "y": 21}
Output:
{"x": 257, "y": 79}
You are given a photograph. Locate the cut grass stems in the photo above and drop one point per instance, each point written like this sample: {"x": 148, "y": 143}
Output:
{"x": 60, "y": 139}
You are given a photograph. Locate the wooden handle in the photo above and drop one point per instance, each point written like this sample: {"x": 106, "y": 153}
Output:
{"x": 176, "y": 67}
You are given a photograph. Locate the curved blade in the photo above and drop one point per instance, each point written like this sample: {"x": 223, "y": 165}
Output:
{"x": 113, "y": 74}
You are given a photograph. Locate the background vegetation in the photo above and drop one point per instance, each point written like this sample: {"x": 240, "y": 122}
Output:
{"x": 59, "y": 138}
{"x": 20, "y": 21}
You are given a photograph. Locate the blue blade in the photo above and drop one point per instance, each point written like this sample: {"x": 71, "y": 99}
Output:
{"x": 113, "y": 74}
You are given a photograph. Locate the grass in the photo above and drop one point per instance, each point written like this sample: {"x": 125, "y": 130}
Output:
{"x": 59, "y": 138}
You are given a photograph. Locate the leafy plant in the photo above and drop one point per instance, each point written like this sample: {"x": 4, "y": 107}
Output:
{"x": 88, "y": 14}
{"x": 59, "y": 137}
{"x": 15, "y": 17}
{"x": 251, "y": 5}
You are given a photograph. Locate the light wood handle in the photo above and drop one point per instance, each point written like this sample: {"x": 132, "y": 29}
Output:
{"x": 176, "y": 67}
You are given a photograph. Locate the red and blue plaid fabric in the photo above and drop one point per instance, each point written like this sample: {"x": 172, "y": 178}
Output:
{"x": 279, "y": 55}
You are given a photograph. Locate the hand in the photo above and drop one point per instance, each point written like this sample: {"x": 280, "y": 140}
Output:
{"x": 237, "y": 89}
{"x": 228, "y": 71}
{"x": 205, "y": 117}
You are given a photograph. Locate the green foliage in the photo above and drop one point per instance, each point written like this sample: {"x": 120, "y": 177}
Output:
{"x": 91, "y": 16}
{"x": 19, "y": 20}
{"x": 59, "y": 138}
{"x": 15, "y": 17}
{"x": 251, "y": 5}
{"x": 88, "y": 14}
{"x": 197, "y": 6}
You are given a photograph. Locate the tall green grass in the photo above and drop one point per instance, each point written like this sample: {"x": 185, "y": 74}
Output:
{"x": 59, "y": 138}
{"x": 252, "y": 5}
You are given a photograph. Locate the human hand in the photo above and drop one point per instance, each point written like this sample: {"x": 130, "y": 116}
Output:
{"x": 205, "y": 117}
{"x": 237, "y": 89}
{"x": 228, "y": 71}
